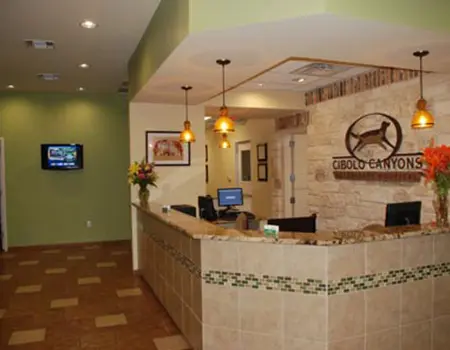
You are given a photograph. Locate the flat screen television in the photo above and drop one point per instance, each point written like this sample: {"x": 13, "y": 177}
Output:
{"x": 62, "y": 156}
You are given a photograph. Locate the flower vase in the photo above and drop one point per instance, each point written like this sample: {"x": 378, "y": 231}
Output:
{"x": 144, "y": 195}
{"x": 440, "y": 204}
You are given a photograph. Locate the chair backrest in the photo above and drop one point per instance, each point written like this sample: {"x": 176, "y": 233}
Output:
{"x": 206, "y": 208}
{"x": 305, "y": 224}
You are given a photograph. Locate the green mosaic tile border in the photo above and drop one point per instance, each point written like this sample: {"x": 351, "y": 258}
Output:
{"x": 389, "y": 278}
{"x": 280, "y": 283}
{"x": 318, "y": 287}
{"x": 307, "y": 286}
{"x": 178, "y": 256}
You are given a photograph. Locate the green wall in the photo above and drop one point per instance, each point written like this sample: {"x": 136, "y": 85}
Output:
{"x": 167, "y": 29}
{"x": 46, "y": 207}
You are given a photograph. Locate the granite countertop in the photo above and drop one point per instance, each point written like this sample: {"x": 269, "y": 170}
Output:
{"x": 200, "y": 229}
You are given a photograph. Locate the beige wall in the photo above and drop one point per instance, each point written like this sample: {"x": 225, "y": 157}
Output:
{"x": 351, "y": 204}
{"x": 176, "y": 185}
{"x": 222, "y": 165}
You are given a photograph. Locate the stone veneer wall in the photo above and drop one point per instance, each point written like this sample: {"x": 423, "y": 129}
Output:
{"x": 276, "y": 162}
{"x": 345, "y": 204}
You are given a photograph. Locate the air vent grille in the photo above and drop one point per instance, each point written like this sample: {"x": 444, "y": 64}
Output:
{"x": 320, "y": 70}
{"x": 40, "y": 44}
{"x": 48, "y": 76}
{"x": 123, "y": 88}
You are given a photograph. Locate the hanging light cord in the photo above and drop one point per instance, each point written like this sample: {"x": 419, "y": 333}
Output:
{"x": 421, "y": 77}
{"x": 186, "y": 103}
{"x": 223, "y": 85}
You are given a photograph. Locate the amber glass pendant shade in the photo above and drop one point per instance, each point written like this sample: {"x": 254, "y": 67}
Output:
{"x": 224, "y": 143}
{"x": 187, "y": 135}
{"x": 422, "y": 119}
{"x": 224, "y": 124}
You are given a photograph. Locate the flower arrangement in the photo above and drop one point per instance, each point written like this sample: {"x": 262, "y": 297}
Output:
{"x": 142, "y": 174}
{"x": 436, "y": 161}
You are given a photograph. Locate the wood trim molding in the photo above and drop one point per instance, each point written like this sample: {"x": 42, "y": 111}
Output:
{"x": 303, "y": 59}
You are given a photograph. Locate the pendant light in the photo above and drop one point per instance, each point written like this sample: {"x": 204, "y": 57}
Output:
{"x": 224, "y": 124}
{"x": 224, "y": 143}
{"x": 187, "y": 135}
{"x": 422, "y": 119}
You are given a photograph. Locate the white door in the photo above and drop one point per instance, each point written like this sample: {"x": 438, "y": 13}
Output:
{"x": 244, "y": 167}
{"x": 4, "y": 236}
{"x": 295, "y": 175}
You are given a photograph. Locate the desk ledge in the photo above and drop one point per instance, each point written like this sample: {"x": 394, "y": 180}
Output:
{"x": 200, "y": 229}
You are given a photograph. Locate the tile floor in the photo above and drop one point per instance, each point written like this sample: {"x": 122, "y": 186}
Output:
{"x": 79, "y": 297}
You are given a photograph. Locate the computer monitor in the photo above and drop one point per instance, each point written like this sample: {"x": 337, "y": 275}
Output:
{"x": 401, "y": 214}
{"x": 229, "y": 197}
{"x": 305, "y": 224}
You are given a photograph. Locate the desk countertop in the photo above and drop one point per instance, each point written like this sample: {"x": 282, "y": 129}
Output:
{"x": 200, "y": 229}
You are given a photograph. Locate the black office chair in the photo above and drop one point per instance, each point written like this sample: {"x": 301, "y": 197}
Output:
{"x": 206, "y": 208}
{"x": 306, "y": 224}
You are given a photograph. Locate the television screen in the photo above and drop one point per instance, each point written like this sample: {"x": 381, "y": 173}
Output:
{"x": 62, "y": 156}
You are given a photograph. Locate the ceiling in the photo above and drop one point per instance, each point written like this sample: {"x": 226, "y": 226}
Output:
{"x": 297, "y": 76}
{"x": 257, "y": 47}
{"x": 239, "y": 113}
{"x": 302, "y": 76}
{"x": 106, "y": 48}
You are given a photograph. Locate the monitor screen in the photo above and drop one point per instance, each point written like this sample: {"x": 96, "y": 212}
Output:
{"x": 401, "y": 214}
{"x": 61, "y": 156}
{"x": 228, "y": 197}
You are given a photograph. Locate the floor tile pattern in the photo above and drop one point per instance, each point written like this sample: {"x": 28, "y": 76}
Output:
{"x": 85, "y": 307}
{"x": 27, "y": 337}
{"x": 175, "y": 342}
{"x": 60, "y": 303}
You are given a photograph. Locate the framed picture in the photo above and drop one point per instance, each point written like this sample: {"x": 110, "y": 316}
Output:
{"x": 165, "y": 149}
{"x": 206, "y": 173}
{"x": 261, "y": 152}
{"x": 206, "y": 153}
{"x": 262, "y": 172}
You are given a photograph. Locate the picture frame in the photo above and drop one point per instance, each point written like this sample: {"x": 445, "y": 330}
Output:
{"x": 206, "y": 153}
{"x": 206, "y": 173}
{"x": 261, "y": 152}
{"x": 263, "y": 172}
{"x": 164, "y": 148}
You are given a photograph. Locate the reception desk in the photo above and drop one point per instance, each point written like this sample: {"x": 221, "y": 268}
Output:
{"x": 345, "y": 290}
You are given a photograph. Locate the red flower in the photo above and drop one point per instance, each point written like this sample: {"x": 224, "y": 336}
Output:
{"x": 437, "y": 160}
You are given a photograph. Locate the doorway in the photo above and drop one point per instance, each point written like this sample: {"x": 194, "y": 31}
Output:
{"x": 3, "y": 231}
{"x": 295, "y": 175}
{"x": 243, "y": 167}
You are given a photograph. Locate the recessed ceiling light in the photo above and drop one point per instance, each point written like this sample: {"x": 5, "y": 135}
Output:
{"x": 260, "y": 84}
{"x": 81, "y": 88}
{"x": 88, "y": 24}
{"x": 10, "y": 86}
{"x": 207, "y": 117}
{"x": 84, "y": 65}
{"x": 301, "y": 80}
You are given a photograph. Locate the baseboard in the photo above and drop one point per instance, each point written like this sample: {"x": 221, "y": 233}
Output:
{"x": 68, "y": 245}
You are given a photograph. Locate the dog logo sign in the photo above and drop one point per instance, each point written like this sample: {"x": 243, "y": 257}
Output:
{"x": 374, "y": 135}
